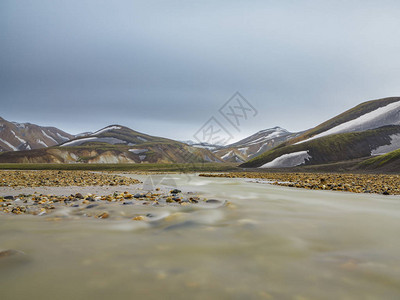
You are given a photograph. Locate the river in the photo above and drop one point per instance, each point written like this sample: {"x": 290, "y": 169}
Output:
{"x": 270, "y": 242}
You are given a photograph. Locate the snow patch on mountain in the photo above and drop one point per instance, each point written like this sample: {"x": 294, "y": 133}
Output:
{"x": 19, "y": 125}
{"x": 49, "y": 137}
{"x": 83, "y": 134}
{"x": 18, "y": 138}
{"x": 107, "y": 129}
{"x": 243, "y": 150}
{"x": 268, "y": 137}
{"x": 64, "y": 138}
{"x": 79, "y": 142}
{"x": 39, "y": 141}
{"x": 108, "y": 140}
{"x": 227, "y": 155}
{"x": 288, "y": 160}
{"x": 8, "y": 144}
{"x": 394, "y": 145}
{"x": 386, "y": 115}
{"x": 205, "y": 146}
{"x": 138, "y": 151}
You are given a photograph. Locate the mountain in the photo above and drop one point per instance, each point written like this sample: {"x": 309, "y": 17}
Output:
{"x": 367, "y": 115}
{"x": 202, "y": 145}
{"x": 389, "y": 162}
{"x": 370, "y": 128}
{"x": 26, "y": 136}
{"x": 114, "y": 144}
{"x": 254, "y": 145}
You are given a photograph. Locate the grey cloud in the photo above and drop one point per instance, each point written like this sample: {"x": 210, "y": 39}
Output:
{"x": 165, "y": 67}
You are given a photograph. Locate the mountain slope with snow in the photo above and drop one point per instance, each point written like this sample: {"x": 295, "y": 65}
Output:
{"x": 115, "y": 144}
{"x": 26, "y": 136}
{"x": 367, "y": 115}
{"x": 328, "y": 149}
{"x": 389, "y": 162}
{"x": 254, "y": 145}
{"x": 370, "y": 128}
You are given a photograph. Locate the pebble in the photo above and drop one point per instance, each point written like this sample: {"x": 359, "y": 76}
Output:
{"x": 40, "y": 204}
{"x": 61, "y": 178}
{"x": 103, "y": 215}
{"x": 79, "y": 204}
{"x": 383, "y": 184}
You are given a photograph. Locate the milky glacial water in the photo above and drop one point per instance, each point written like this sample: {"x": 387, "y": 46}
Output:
{"x": 270, "y": 243}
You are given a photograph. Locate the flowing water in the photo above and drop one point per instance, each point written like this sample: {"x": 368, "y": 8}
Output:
{"x": 270, "y": 243}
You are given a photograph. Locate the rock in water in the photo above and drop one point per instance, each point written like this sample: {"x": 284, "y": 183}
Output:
{"x": 9, "y": 252}
{"x": 11, "y": 256}
{"x": 213, "y": 201}
{"x": 92, "y": 205}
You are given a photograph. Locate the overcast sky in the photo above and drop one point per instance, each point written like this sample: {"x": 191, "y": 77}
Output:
{"x": 165, "y": 67}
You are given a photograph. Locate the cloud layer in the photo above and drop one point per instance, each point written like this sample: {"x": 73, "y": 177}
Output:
{"x": 166, "y": 67}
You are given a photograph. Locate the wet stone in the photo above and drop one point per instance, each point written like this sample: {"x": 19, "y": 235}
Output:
{"x": 9, "y": 252}
{"x": 75, "y": 203}
{"x": 103, "y": 215}
{"x": 91, "y": 205}
{"x": 12, "y": 256}
{"x": 213, "y": 201}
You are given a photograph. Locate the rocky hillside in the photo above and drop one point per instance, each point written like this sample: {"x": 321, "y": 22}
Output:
{"x": 371, "y": 128}
{"x": 114, "y": 144}
{"x": 254, "y": 145}
{"x": 25, "y": 136}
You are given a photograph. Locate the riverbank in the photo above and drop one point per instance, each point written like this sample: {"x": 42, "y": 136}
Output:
{"x": 355, "y": 183}
{"x": 74, "y": 194}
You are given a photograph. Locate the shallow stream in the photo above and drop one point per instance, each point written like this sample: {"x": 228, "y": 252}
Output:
{"x": 270, "y": 242}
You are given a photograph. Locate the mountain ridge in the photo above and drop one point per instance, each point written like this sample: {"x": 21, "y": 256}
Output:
{"x": 16, "y": 136}
{"x": 114, "y": 144}
{"x": 367, "y": 129}
{"x": 255, "y": 144}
